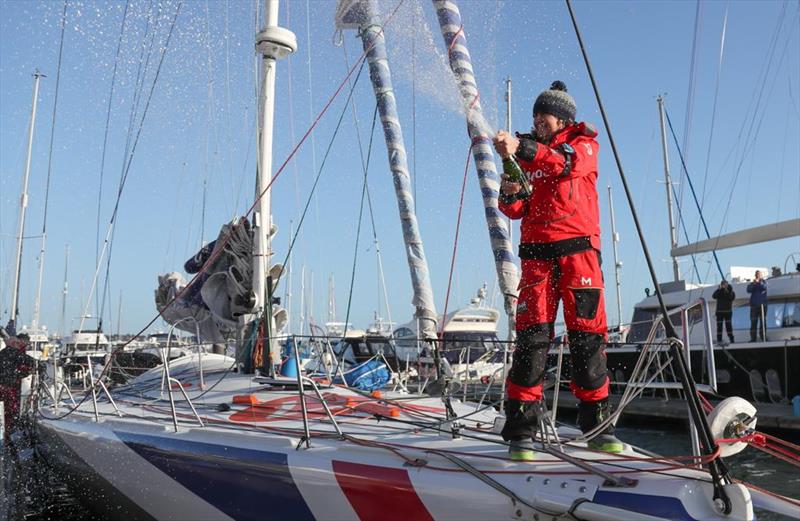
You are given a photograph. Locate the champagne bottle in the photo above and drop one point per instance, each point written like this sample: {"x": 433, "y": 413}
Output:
{"x": 515, "y": 174}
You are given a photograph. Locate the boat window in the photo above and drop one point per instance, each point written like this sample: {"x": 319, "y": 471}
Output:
{"x": 783, "y": 314}
{"x": 791, "y": 316}
{"x": 405, "y": 338}
{"x": 463, "y": 347}
{"x": 381, "y": 346}
{"x": 641, "y": 324}
{"x": 778, "y": 314}
{"x": 741, "y": 317}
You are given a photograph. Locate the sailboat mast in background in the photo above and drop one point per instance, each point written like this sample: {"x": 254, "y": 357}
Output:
{"x": 23, "y": 205}
{"x": 673, "y": 233}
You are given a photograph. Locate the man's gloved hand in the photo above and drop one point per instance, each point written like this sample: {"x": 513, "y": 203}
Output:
{"x": 527, "y": 147}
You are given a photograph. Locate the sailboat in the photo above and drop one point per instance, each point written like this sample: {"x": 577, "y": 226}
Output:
{"x": 205, "y": 437}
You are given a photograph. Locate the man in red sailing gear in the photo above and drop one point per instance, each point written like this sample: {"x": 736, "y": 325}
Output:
{"x": 560, "y": 254}
{"x": 14, "y": 366}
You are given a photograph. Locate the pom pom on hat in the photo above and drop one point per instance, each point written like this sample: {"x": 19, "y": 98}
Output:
{"x": 557, "y": 102}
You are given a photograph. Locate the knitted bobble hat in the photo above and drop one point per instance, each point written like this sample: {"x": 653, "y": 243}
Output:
{"x": 556, "y": 102}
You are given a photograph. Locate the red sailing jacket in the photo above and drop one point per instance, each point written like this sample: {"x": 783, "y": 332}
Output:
{"x": 563, "y": 203}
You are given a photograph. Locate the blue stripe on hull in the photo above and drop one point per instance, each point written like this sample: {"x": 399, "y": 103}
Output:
{"x": 659, "y": 506}
{"x": 244, "y": 484}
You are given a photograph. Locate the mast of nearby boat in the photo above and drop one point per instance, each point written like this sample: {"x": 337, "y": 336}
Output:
{"x": 119, "y": 315}
{"x": 363, "y": 15}
{"x": 23, "y": 205}
{"x": 273, "y": 43}
{"x": 481, "y": 134}
{"x": 673, "y": 233}
{"x": 64, "y": 294}
{"x": 288, "y": 292}
{"x": 302, "y": 298}
{"x": 331, "y": 299}
{"x": 617, "y": 263}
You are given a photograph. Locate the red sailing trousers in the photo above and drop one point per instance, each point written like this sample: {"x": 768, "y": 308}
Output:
{"x": 577, "y": 280}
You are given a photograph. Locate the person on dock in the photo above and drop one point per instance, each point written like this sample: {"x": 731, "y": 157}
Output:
{"x": 560, "y": 254}
{"x": 15, "y": 365}
{"x": 758, "y": 307}
{"x": 724, "y": 295}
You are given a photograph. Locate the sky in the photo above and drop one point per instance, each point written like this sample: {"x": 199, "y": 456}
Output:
{"x": 179, "y": 123}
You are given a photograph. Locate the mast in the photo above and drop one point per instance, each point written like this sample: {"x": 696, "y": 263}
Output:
{"x": 617, "y": 263}
{"x": 482, "y": 153}
{"x": 364, "y": 16}
{"x": 23, "y": 205}
{"x": 119, "y": 315}
{"x": 331, "y": 299}
{"x": 673, "y": 234}
{"x": 288, "y": 293}
{"x": 64, "y": 292}
{"x": 273, "y": 43}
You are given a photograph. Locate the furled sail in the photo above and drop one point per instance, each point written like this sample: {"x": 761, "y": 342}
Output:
{"x": 461, "y": 64}
{"x": 219, "y": 302}
{"x": 363, "y": 14}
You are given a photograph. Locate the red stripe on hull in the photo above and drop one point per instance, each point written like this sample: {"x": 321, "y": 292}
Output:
{"x": 380, "y": 493}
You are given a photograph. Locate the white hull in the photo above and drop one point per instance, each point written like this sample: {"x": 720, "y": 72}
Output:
{"x": 244, "y": 462}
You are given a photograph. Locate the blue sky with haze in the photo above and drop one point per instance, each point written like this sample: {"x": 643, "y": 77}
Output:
{"x": 199, "y": 130}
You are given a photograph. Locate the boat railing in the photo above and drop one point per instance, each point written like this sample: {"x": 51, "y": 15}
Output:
{"x": 686, "y": 312}
{"x": 99, "y": 382}
{"x": 170, "y": 381}
{"x": 199, "y": 346}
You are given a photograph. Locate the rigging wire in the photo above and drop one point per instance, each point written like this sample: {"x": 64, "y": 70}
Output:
{"x": 50, "y": 154}
{"x": 757, "y": 98}
{"x": 687, "y": 122}
{"x": 366, "y": 191}
{"x": 107, "y": 246}
{"x": 105, "y": 142}
{"x": 713, "y": 119}
{"x": 365, "y": 166}
{"x": 698, "y": 204}
{"x": 455, "y": 242}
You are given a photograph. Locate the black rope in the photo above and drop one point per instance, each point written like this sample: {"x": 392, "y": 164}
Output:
{"x": 694, "y": 193}
{"x": 717, "y": 469}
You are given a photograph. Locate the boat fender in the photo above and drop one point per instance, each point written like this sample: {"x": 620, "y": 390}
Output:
{"x": 733, "y": 417}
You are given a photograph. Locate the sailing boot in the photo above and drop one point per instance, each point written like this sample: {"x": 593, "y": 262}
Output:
{"x": 522, "y": 421}
{"x": 590, "y": 415}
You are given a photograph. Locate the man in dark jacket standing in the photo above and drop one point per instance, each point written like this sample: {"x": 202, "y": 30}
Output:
{"x": 724, "y": 295}
{"x": 758, "y": 307}
{"x": 560, "y": 254}
{"x": 14, "y": 366}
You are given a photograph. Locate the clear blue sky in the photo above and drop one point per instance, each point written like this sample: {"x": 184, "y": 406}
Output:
{"x": 199, "y": 128}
